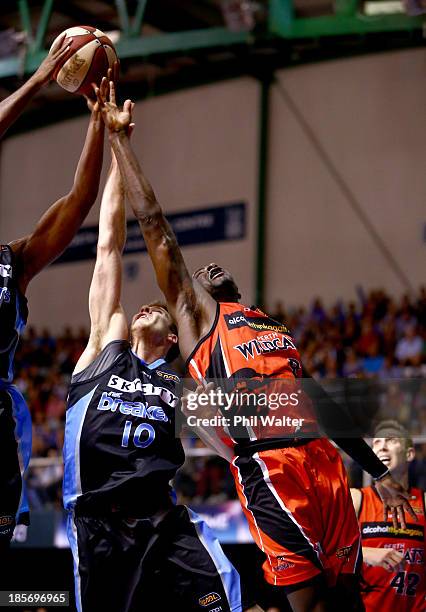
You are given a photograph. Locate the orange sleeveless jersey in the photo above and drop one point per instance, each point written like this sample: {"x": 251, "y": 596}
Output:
{"x": 244, "y": 343}
{"x": 403, "y": 590}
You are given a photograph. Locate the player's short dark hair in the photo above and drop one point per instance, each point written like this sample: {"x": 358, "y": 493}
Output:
{"x": 389, "y": 428}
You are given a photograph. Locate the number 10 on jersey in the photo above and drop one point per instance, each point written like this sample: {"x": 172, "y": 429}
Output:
{"x": 143, "y": 436}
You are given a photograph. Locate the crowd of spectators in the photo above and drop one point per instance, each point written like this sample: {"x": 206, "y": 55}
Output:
{"x": 376, "y": 337}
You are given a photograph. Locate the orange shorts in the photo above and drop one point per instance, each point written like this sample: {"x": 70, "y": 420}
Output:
{"x": 300, "y": 513}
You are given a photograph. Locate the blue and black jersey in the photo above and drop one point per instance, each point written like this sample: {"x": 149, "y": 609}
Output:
{"x": 132, "y": 548}
{"x": 15, "y": 419}
{"x": 13, "y": 312}
{"x": 120, "y": 438}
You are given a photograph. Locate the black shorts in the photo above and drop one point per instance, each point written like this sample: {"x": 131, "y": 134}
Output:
{"x": 10, "y": 473}
{"x": 129, "y": 565}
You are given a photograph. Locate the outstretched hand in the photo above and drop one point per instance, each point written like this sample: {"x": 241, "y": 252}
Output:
{"x": 51, "y": 61}
{"x": 116, "y": 120}
{"x": 395, "y": 500}
{"x": 112, "y": 75}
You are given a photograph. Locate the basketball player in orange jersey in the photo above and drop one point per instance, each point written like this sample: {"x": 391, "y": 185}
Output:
{"x": 394, "y": 570}
{"x": 294, "y": 492}
{"x": 20, "y": 261}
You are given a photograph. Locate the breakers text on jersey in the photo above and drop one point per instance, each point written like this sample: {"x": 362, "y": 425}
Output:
{"x": 137, "y": 409}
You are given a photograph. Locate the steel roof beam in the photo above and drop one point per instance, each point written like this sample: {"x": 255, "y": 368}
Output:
{"x": 130, "y": 47}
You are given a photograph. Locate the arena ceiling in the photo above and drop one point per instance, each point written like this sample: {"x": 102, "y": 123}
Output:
{"x": 169, "y": 44}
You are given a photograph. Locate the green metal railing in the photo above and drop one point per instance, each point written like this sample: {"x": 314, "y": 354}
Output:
{"x": 282, "y": 23}
{"x": 130, "y": 45}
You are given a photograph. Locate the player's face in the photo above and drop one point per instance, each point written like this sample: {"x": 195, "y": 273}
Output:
{"x": 151, "y": 319}
{"x": 392, "y": 451}
{"x": 216, "y": 280}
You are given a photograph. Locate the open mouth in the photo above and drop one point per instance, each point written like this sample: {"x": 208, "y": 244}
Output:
{"x": 215, "y": 273}
{"x": 385, "y": 459}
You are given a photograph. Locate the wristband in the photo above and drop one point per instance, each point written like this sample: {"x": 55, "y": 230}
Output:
{"x": 380, "y": 478}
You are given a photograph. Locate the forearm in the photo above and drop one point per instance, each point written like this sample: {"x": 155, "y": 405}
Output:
{"x": 13, "y": 105}
{"x": 359, "y": 451}
{"x": 112, "y": 217}
{"x": 337, "y": 422}
{"x": 59, "y": 224}
{"x": 138, "y": 189}
{"x": 87, "y": 176}
{"x": 369, "y": 554}
{"x": 172, "y": 276}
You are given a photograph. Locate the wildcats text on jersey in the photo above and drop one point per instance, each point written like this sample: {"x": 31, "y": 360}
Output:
{"x": 115, "y": 382}
{"x": 264, "y": 344}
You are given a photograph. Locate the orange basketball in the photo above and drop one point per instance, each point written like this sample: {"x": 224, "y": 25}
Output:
{"x": 90, "y": 55}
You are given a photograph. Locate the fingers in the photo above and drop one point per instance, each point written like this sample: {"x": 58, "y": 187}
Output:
{"x": 90, "y": 103}
{"x": 62, "y": 52}
{"x": 130, "y": 129}
{"x": 127, "y": 107}
{"x": 115, "y": 71}
{"x": 392, "y": 560}
{"x": 58, "y": 43}
{"x": 104, "y": 88}
{"x": 394, "y": 517}
{"x": 98, "y": 95}
{"x": 409, "y": 510}
{"x": 397, "y": 557}
{"x": 401, "y": 515}
{"x": 112, "y": 92}
{"x": 101, "y": 92}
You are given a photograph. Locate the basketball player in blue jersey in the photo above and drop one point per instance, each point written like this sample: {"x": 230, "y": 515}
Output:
{"x": 133, "y": 549}
{"x": 20, "y": 261}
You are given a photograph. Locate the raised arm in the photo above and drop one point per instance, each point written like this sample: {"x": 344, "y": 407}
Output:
{"x": 107, "y": 318}
{"x": 191, "y": 306}
{"x": 13, "y": 105}
{"x": 60, "y": 223}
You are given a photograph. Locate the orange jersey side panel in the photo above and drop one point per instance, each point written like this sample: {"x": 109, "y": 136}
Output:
{"x": 294, "y": 500}
{"x": 245, "y": 344}
{"x": 403, "y": 590}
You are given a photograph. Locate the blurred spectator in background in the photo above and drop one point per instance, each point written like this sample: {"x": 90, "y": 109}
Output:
{"x": 409, "y": 350}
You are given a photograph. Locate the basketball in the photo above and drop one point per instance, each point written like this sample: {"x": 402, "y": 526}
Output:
{"x": 90, "y": 55}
